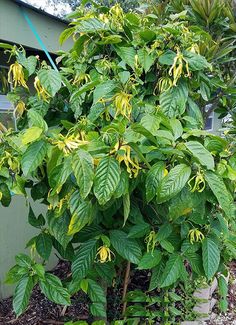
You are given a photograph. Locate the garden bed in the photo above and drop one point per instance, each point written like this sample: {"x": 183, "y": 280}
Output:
{"x": 41, "y": 311}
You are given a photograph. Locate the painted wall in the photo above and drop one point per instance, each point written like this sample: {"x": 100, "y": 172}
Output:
{"x": 13, "y": 28}
{"x": 14, "y": 234}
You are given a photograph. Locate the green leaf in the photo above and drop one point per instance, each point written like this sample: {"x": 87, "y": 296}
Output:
{"x": 219, "y": 189}
{"x": 79, "y": 44}
{"x": 126, "y": 205}
{"x": 52, "y": 287}
{"x": 5, "y": 195}
{"x": 173, "y": 101}
{"x": 147, "y": 35}
{"x": 104, "y": 90}
{"x": 15, "y": 274}
{"x": 127, "y": 55}
{"x": 98, "y": 309}
{"x": 35, "y": 119}
{"x": 146, "y": 59}
{"x": 156, "y": 277}
{"x": 210, "y": 257}
{"x": 58, "y": 228}
{"x": 59, "y": 175}
{"x": 90, "y": 25}
{"x": 142, "y": 130}
{"x": 23, "y": 260}
{"x": 223, "y": 286}
{"x": 150, "y": 123}
{"x": 84, "y": 259}
{"x": 6, "y": 46}
{"x": 201, "y": 154}
{"x": 196, "y": 61}
{"x": 50, "y": 80}
{"x": 150, "y": 260}
{"x": 126, "y": 247}
{"x": 167, "y": 58}
{"x": 123, "y": 186}
{"x": 173, "y": 183}
{"x": 33, "y": 157}
{"x": 153, "y": 178}
{"x": 84, "y": 285}
{"x": 106, "y": 271}
{"x": 22, "y": 294}
{"x": 67, "y": 33}
{"x": 82, "y": 165}
{"x": 194, "y": 111}
{"x": 83, "y": 89}
{"x": 139, "y": 230}
{"x": 39, "y": 270}
{"x": 164, "y": 232}
{"x": 177, "y": 128}
{"x": 195, "y": 261}
{"x": 81, "y": 216}
{"x": 31, "y": 134}
{"x": 96, "y": 292}
{"x": 30, "y": 64}
{"x": 106, "y": 180}
{"x": 44, "y": 245}
{"x": 111, "y": 39}
{"x": 166, "y": 245}
{"x": 172, "y": 270}
{"x": 33, "y": 220}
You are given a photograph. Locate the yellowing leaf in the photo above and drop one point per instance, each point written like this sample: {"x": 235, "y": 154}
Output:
{"x": 31, "y": 134}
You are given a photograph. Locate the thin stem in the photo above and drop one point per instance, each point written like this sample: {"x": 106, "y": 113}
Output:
{"x": 126, "y": 282}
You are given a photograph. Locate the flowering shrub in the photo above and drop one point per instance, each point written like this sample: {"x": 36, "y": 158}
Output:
{"x": 113, "y": 145}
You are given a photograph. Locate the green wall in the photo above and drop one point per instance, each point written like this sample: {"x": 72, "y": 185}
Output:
{"x": 14, "y": 234}
{"x": 13, "y": 28}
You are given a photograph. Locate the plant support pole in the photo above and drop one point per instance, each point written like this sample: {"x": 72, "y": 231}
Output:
{"x": 42, "y": 45}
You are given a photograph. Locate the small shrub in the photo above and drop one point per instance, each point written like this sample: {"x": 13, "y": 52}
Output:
{"x": 113, "y": 145}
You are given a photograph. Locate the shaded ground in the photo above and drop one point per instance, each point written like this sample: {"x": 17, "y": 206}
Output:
{"x": 230, "y": 317}
{"x": 41, "y": 311}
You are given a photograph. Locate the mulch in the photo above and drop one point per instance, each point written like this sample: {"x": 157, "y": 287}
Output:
{"x": 41, "y": 311}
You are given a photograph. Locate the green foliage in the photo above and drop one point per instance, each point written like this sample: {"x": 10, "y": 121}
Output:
{"x": 112, "y": 144}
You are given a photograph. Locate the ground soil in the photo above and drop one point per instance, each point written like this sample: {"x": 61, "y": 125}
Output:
{"x": 43, "y": 312}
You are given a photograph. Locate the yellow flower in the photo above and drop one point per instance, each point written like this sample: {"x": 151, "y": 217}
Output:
{"x": 104, "y": 18}
{"x": 82, "y": 78}
{"x": 122, "y": 104}
{"x": 151, "y": 241}
{"x": 195, "y": 235}
{"x": 194, "y": 48}
{"x": 20, "y": 108}
{"x": 197, "y": 183}
{"x": 10, "y": 161}
{"x": 69, "y": 143}
{"x": 117, "y": 14}
{"x": 104, "y": 254}
{"x": 41, "y": 91}
{"x": 165, "y": 172}
{"x": 177, "y": 67}
{"x": 131, "y": 164}
{"x": 16, "y": 75}
{"x": 164, "y": 84}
